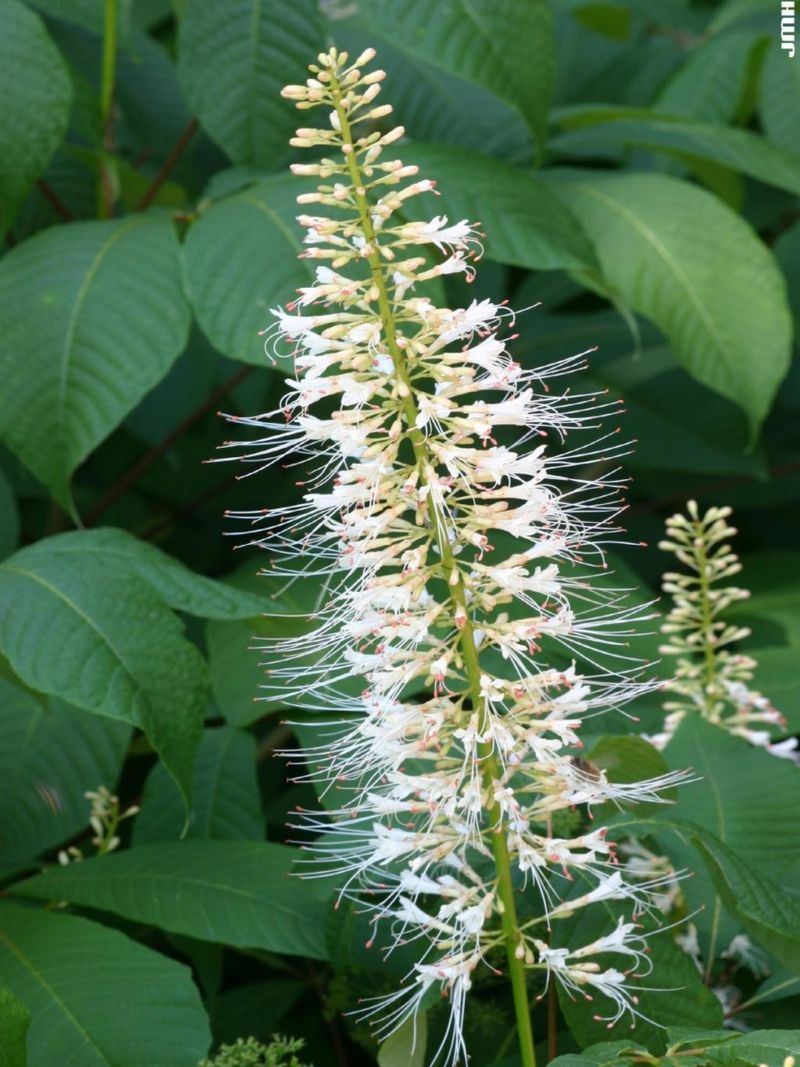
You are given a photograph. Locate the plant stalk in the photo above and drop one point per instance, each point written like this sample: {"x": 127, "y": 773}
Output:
{"x": 469, "y": 653}
{"x": 105, "y": 180}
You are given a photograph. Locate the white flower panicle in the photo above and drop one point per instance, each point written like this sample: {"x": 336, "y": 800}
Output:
{"x": 452, "y": 545}
{"x": 709, "y": 677}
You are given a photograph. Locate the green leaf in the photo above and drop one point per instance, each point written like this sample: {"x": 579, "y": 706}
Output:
{"x": 36, "y": 93}
{"x": 779, "y": 102}
{"x": 769, "y": 914}
{"x": 772, "y": 608}
{"x": 761, "y": 1048}
{"x": 235, "y": 892}
{"x": 88, "y": 14}
{"x": 435, "y": 105}
{"x": 233, "y": 61}
{"x": 730, "y": 800}
{"x": 676, "y": 423}
{"x": 226, "y": 803}
{"x": 96, "y": 998}
{"x": 240, "y": 259}
{"x": 504, "y": 46}
{"x": 526, "y": 224}
{"x": 95, "y": 318}
{"x": 406, "y": 1046}
{"x": 176, "y": 585}
{"x": 14, "y": 1022}
{"x": 740, "y": 150}
{"x": 9, "y": 517}
{"x": 99, "y": 637}
{"x": 711, "y": 82}
{"x": 50, "y": 755}
{"x": 660, "y": 242}
{"x": 777, "y": 676}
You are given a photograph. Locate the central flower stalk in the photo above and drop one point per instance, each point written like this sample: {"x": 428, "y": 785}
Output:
{"x": 451, "y": 553}
{"x": 425, "y": 462}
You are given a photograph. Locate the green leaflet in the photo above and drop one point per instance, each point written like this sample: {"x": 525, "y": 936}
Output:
{"x": 96, "y": 998}
{"x": 235, "y": 892}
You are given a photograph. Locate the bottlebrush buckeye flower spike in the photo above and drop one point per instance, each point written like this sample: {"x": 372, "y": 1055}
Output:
{"x": 453, "y": 547}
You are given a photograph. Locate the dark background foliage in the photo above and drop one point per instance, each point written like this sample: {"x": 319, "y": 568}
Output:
{"x": 636, "y": 168}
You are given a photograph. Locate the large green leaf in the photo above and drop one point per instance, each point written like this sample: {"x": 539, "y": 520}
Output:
{"x": 14, "y": 1022}
{"x": 768, "y": 914}
{"x": 597, "y": 129}
{"x": 660, "y": 242}
{"x": 240, "y": 259}
{"x": 711, "y": 82}
{"x": 235, "y": 892}
{"x": 502, "y": 45}
{"x": 526, "y": 225}
{"x": 95, "y": 316}
{"x": 233, "y": 61}
{"x": 94, "y": 634}
{"x": 50, "y": 755}
{"x": 730, "y": 800}
{"x": 779, "y": 103}
{"x": 226, "y": 803}
{"x": 36, "y": 93}
{"x": 178, "y": 587}
{"x": 435, "y": 105}
{"x": 96, "y": 998}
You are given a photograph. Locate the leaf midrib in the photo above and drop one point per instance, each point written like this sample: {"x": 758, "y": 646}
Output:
{"x": 39, "y": 977}
{"x": 651, "y": 238}
{"x": 60, "y": 595}
{"x": 67, "y": 351}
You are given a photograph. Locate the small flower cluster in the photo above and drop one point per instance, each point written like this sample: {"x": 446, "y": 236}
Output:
{"x": 104, "y": 819}
{"x": 451, "y": 552}
{"x": 709, "y": 677}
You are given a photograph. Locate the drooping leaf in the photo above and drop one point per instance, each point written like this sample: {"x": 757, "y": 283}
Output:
{"x": 50, "y": 755}
{"x": 526, "y": 224}
{"x": 235, "y": 892}
{"x": 240, "y": 260}
{"x": 36, "y": 93}
{"x": 233, "y": 61}
{"x": 95, "y": 317}
{"x": 14, "y": 1022}
{"x": 660, "y": 241}
{"x": 594, "y": 129}
{"x": 101, "y": 638}
{"x": 178, "y": 586}
{"x": 225, "y": 799}
{"x": 96, "y": 998}
{"x": 506, "y": 47}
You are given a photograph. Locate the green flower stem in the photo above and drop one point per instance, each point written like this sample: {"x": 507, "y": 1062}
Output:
{"x": 105, "y": 177}
{"x": 489, "y": 768}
